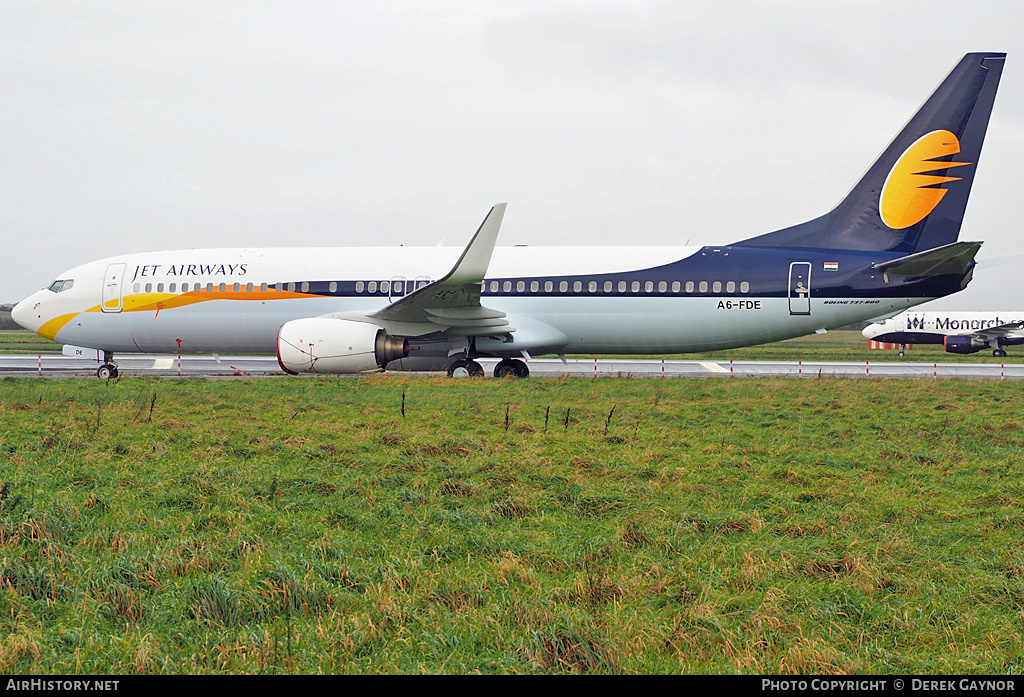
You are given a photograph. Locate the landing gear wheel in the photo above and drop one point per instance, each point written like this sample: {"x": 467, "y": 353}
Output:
{"x": 999, "y": 353}
{"x": 465, "y": 369}
{"x": 106, "y": 371}
{"x": 901, "y": 354}
{"x": 511, "y": 367}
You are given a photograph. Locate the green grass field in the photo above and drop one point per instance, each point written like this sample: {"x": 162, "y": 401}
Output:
{"x": 401, "y": 525}
{"x": 21, "y": 341}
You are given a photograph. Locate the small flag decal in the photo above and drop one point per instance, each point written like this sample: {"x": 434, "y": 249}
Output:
{"x": 831, "y": 265}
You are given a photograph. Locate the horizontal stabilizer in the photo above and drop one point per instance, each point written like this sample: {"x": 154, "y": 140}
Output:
{"x": 955, "y": 258}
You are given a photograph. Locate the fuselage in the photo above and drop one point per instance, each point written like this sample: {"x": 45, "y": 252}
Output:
{"x": 915, "y": 327}
{"x": 614, "y": 300}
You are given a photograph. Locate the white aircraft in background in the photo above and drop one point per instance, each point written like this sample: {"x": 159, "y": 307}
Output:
{"x": 959, "y": 332}
{"x": 889, "y": 245}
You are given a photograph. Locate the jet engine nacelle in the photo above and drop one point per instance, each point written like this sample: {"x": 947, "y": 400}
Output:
{"x": 325, "y": 345}
{"x": 963, "y": 344}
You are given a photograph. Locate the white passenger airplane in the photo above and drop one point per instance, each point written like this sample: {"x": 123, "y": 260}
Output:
{"x": 889, "y": 245}
{"x": 958, "y": 332}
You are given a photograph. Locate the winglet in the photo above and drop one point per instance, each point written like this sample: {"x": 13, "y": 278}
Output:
{"x": 472, "y": 265}
{"x": 459, "y": 288}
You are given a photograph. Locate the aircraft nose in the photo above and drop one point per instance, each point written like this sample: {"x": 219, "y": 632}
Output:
{"x": 870, "y": 331}
{"x": 19, "y": 314}
{"x": 24, "y": 313}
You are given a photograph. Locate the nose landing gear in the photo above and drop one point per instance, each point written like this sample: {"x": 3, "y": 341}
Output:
{"x": 109, "y": 369}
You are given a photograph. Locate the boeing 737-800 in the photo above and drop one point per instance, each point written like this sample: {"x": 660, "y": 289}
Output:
{"x": 958, "y": 332}
{"x": 889, "y": 245}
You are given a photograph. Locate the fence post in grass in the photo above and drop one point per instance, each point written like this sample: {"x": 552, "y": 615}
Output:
{"x": 867, "y": 369}
{"x": 40, "y": 365}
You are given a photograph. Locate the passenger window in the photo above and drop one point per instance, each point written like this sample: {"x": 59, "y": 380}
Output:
{"x": 171, "y": 288}
{"x": 236, "y": 288}
{"x": 305, "y": 286}
{"x": 636, "y": 286}
{"x": 577, "y": 286}
{"x": 662, "y": 286}
{"x": 534, "y": 286}
{"x": 649, "y": 286}
{"x": 730, "y": 287}
{"x": 717, "y": 287}
{"x": 703, "y": 286}
{"x": 675, "y": 286}
{"x": 263, "y": 287}
{"x": 397, "y": 286}
{"x": 520, "y": 286}
{"x": 372, "y": 286}
{"x": 607, "y": 286}
{"x": 563, "y": 286}
{"x": 149, "y": 287}
{"x": 548, "y": 286}
{"x": 136, "y": 288}
{"x": 385, "y": 286}
{"x": 291, "y": 287}
{"x": 160, "y": 288}
{"x": 689, "y": 286}
{"x": 248, "y": 287}
{"x": 209, "y": 287}
{"x": 507, "y": 286}
{"x": 592, "y": 286}
{"x": 359, "y": 286}
{"x": 744, "y": 287}
{"x": 622, "y": 286}
{"x": 223, "y": 287}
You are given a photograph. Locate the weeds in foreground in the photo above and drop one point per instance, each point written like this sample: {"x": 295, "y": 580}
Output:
{"x": 563, "y": 526}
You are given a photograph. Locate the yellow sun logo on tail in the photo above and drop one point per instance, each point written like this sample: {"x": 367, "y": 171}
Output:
{"x": 910, "y": 193}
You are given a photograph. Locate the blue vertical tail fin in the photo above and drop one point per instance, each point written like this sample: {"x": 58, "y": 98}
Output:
{"x": 914, "y": 196}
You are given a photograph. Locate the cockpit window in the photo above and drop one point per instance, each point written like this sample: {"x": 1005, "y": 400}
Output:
{"x": 61, "y": 285}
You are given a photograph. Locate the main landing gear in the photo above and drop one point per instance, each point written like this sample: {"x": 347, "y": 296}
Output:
{"x": 511, "y": 367}
{"x": 506, "y": 368}
{"x": 998, "y": 353}
{"x": 465, "y": 369}
{"x": 108, "y": 370}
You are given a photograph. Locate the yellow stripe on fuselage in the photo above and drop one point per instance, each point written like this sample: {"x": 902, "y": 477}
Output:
{"x": 152, "y": 302}
{"x": 49, "y": 329}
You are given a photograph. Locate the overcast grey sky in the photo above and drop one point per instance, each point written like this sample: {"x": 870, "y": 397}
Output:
{"x": 135, "y": 126}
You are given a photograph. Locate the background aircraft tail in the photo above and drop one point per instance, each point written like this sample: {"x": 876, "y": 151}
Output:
{"x": 914, "y": 196}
